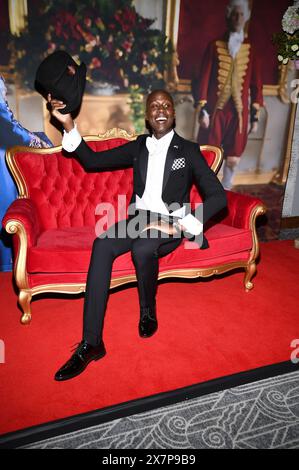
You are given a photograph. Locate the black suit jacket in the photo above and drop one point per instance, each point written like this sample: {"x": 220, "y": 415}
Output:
{"x": 176, "y": 183}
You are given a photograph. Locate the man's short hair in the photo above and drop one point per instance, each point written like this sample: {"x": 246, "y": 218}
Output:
{"x": 238, "y": 3}
{"x": 153, "y": 92}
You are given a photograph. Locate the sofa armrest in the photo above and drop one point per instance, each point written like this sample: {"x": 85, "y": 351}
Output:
{"x": 242, "y": 210}
{"x": 22, "y": 213}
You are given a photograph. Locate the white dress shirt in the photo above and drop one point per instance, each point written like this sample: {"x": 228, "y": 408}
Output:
{"x": 151, "y": 199}
{"x": 235, "y": 42}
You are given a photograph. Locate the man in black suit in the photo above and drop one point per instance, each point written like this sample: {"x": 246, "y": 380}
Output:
{"x": 164, "y": 167}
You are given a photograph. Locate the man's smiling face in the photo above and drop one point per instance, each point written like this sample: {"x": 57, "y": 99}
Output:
{"x": 160, "y": 113}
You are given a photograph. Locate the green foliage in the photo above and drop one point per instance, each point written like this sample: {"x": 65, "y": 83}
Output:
{"x": 137, "y": 106}
{"x": 287, "y": 41}
{"x": 287, "y": 46}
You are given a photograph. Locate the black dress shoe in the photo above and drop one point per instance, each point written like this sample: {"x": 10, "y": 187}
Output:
{"x": 84, "y": 354}
{"x": 148, "y": 324}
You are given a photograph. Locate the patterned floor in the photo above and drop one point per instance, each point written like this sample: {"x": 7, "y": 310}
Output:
{"x": 260, "y": 415}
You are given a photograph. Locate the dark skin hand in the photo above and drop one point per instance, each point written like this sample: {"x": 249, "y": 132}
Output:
{"x": 65, "y": 119}
{"x": 159, "y": 113}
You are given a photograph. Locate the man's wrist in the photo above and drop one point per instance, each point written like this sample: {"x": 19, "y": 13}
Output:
{"x": 71, "y": 139}
{"x": 191, "y": 224}
{"x": 69, "y": 126}
{"x": 177, "y": 226}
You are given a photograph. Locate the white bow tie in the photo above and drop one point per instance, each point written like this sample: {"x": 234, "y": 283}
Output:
{"x": 158, "y": 145}
{"x": 151, "y": 144}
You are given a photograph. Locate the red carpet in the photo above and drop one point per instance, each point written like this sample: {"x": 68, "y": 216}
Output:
{"x": 207, "y": 329}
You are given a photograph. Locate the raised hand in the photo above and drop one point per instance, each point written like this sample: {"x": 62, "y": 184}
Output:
{"x": 65, "y": 119}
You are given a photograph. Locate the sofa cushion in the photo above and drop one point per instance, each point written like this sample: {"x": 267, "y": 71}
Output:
{"x": 68, "y": 251}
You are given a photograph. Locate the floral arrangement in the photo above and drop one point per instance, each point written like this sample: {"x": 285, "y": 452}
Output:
{"x": 287, "y": 41}
{"x": 116, "y": 43}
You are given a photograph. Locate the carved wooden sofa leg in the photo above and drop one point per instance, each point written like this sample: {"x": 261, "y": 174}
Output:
{"x": 24, "y": 301}
{"x": 251, "y": 265}
{"x": 249, "y": 273}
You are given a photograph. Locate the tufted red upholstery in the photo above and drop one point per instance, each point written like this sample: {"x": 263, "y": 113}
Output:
{"x": 59, "y": 218}
{"x": 64, "y": 194}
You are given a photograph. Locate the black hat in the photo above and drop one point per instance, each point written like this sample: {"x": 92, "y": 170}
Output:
{"x": 53, "y": 77}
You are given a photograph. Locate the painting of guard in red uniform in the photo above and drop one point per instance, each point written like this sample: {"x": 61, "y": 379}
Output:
{"x": 230, "y": 73}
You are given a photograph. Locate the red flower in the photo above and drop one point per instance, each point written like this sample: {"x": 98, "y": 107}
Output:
{"x": 65, "y": 25}
{"x": 86, "y": 36}
{"x": 96, "y": 63}
{"x": 87, "y": 22}
{"x": 127, "y": 46}
{"x": 126, "y": 18}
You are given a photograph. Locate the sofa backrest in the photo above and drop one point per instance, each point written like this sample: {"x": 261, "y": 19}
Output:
{"x": 67, "y": 196}
{"x": 214, "y": 157}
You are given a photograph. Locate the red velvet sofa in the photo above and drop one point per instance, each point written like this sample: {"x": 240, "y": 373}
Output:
{"x": 53, "y": 224}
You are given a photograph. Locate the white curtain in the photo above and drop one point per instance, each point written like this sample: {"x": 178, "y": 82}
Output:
{"x": 151, "y": 9}
{"x": 18, "y": 12}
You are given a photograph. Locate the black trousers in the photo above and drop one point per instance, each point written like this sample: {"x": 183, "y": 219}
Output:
{"x": 145, "y": 253}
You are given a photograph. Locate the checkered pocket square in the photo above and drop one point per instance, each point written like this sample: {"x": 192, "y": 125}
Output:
{"x": 178, "y": 163}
